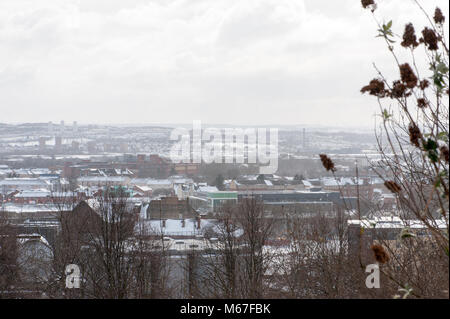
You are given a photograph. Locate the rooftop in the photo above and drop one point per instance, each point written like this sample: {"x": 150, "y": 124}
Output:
{"x": 395, "y": 222}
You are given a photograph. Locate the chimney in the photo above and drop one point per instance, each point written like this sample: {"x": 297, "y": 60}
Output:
{"x": 199, "y": 219}
{"x": 183, "y": 223}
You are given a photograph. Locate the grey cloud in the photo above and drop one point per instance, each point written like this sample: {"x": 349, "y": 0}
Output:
{"x": 229, "y": 61}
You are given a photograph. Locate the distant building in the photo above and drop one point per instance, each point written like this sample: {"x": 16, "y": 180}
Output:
{"x": 293, "y": 196}
{"x": 387, "y": 228}
{"x": 92, "y": 147}
{"x": 103, "y": 180}
{"x": 12, "y": 184}
{"x": 144, "y": 191}
{"x": 124, "y": 147}
{"x": 155, "y": 166}
{"x": 50, "y": 128}
{"x": 186, "y": 169}
{"x": 42, "y": 141}
{"x": 47, "y": 228}
{"x": 208, "y": 199}
{"x": 44, "y": 196}
{"x": 188, "y": 229}
{"x": 303, "y": 209}
{"x": 19, "y": 211}
{"x": 170, "y": 208}
{"x": 182, "y": 187}
{"x": 35, "y": 257}
{"x": 154, "y": 184}
{"x": 75, "y": 146}
{"x": 58, "y": 144}
{"x": 33, "y": 196}
{"x": 265, "y": 182}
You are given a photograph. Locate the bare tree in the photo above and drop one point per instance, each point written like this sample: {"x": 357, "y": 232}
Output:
{"x": 239, "y": 261}
{"x": 221, "y": 264}
{"x": 413, "y": 143}
{"x": 8, "y": 258}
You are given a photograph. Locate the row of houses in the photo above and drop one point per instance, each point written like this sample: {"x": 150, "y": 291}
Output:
{"x": 6, "y": 172}
{"x": 140, "y": 165}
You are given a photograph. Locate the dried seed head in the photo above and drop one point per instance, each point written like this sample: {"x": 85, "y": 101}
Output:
{"x": 375, "y": 87}
{"x": 424, "y": 84}
{"x": 369, "y": 3}
{"x": 438, "y": 16}
{"x": 414, "y": 134}
{"x": 327, "y": 163}
{"x": 398, "y": 90}
{"x": 422, "y": 103}
{"x": 430, "y": 39}
{"x": 380, "y": 253}
{"x": 407, "y": 75}
{"x": 393, "y": 186}
{"x": 409, "y": 37}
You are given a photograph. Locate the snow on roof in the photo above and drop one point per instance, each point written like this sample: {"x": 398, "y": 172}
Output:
{"x": 182, "y": 245}
{"x": 25, "y": 238}
{"x": 331, "y": 181}
{"x": 22, "y": 171}
{"x": 307, "y": 183}
{"x": 394, "y": 222}
{"x": 102, "y": 179}
{"x": 182, "y": 180}
{"x": 190, "y": 244}
{"x": 175, "y": 227}
{"x": 159, "y": 182}
{"x": 64, "y": 181}
{"x": 139, "y": 181}
{"x": 40, "y": 171}
{"x": 250, "y": 177}
{"x": 151, "y": 181}
{"x": 89, "y": 191}
{"x": 346, "y": 181}
{"x": 208, "y": 189}
{"x": 34, "y": 208}
{"x": 376, "y": 180}
{"x": 199, "y": 198}
{"x": 23, "y": 181}
{"x": 34, "y": 194}
{"x": 144, "y": 188}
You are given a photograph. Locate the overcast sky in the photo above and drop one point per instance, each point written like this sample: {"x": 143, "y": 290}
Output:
{"x": 173, "y": 61}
